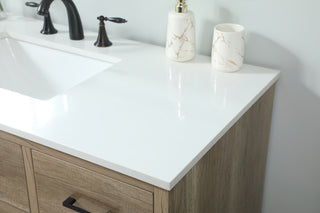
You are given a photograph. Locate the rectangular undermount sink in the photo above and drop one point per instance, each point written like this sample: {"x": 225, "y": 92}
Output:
{"x": 41, "y": 72}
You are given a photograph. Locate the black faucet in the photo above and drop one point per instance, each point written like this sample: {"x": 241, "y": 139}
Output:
{"x": 103, "y": 40}
{"x": 48, "y": 28}
{"x": 75, "y": 25}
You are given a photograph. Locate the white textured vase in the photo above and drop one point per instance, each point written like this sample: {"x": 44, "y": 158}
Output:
{"x": 228, "y": 47}
{"x": 180, "y": 36}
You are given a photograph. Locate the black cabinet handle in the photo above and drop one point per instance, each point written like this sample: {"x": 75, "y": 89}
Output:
{"x": 68, "y": 203}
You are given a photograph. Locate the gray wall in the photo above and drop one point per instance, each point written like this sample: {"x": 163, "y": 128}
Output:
{"x": 281, "y": 34}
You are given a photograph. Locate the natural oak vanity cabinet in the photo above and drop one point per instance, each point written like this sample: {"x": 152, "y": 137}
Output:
{"x": 228, "y": 179}
{"x": 13, "y": 186}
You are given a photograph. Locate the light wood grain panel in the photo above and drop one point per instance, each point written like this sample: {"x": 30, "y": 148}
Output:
{"x": 230, "y": 177}
{"x": 57, "y": 179}
{"x": 6, "y": 208}
{"x": 76, "y": 161}
{"x": 13, "y": 188}
{"x": 161, "y": 201}
{"x": 31, "y": 184}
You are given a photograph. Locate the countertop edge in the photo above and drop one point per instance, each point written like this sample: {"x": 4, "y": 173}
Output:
{"x": 127, "y": 171}
{"x": 194, "y": 161}
{"x": 84, "y": 156}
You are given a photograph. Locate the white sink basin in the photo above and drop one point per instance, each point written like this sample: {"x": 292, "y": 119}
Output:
{"x": 41, "y": 72}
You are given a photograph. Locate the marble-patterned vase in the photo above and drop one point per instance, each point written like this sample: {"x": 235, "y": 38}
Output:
{"x": 228, "y": 47}
{"x": 180, "y": 36}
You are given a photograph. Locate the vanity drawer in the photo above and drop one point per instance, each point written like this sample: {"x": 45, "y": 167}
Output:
{"x": 57, "y": 180}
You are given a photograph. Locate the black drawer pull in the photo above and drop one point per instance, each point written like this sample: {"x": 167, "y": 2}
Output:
{"x": 68, "y": 203}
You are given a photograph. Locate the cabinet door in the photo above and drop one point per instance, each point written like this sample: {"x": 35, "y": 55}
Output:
{"x": 13, "y": 187}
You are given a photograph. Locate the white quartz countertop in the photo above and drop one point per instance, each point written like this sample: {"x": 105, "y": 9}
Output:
{"x": 145, "y": 117}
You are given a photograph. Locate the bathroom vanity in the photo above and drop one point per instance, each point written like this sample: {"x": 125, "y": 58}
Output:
{"x": 135, "y": 133}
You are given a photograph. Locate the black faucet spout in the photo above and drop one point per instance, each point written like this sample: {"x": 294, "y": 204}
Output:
{"x": 75, "y": 25}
